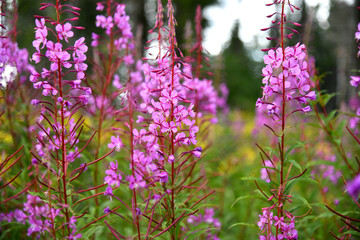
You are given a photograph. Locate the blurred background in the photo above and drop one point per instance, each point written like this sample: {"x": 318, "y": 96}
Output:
{"x": 233, "y": 38}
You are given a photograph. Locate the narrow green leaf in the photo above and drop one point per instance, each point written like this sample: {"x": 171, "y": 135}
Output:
{"x": 90, "y": 231}
{"x": 252, "y": 179}
{"x": 320, "y": 162}
{"x": 330, "y": 116}
{"x": 292, "y": 147}
{"x": 244, "y": 224}
{"x": 326, "y": 98}
{"x": 301, "y": 199}
{"x": 352, "y": 232}
{"x": 38, "y": 194}
{"x": 192, "y": 235}
{"x": 296, "y": 164}
{"x": 243, "y": 197}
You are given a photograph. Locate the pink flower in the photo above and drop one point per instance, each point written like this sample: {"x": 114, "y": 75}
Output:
{"x": 171, "y": 159}
{"x": 294, "y": 79}
{"x": 197, "y": 152}
{"x": 95, "y": 39}
{"x": 36, "y": 57}
{"x": 80, "y": 66}
{"x": 169, "y": 97}
{"x": 113, "y": 176}
{"x": 128, "y": 60}
{"x": 136, "y": 183}
{"x": 274, "y": 58}
{"x": 108, "y": 192}
{"x": 41, "y": 33}
{"x": 355, "y": 80}
{"x": 116, "y": 82}
{"x": 264, "y": 171}
{"x": 99, "y": 6}
{"x": 34, "y": 76}
{"x": 104, "y": 22}
{"x": 353, "y": 187}
{"x": 138, "y": 135}
{"x": 116, "y": 143}
{"x": 168, "y": 127}
{"x": 80, "y": 47}
{"x": 56, "y": 55}
{"x": 357, "y": 34}
{"x": 64, "y": 31}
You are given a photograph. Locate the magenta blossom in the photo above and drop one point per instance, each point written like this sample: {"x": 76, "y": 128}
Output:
{"x": 294, "y": 78}
{"x": 116, "y": 143}
{"x": 353, "y": 187}
{"x": 113, "y": 177}
{"x": 355, "y": 81}
{"x": 64, "y": 31}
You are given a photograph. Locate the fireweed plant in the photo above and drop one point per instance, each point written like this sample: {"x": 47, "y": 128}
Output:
{"x": 116, "y": 58}
{"x": 207, "y": 100}
{"x": 287, "y": 89}
{"x": 115, "y": 49}
{"x": 162, "y": 153}
{"x": 59, "y": 128}
{"x": 50, "y": 207}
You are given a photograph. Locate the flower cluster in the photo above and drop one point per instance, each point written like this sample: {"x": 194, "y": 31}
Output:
{"x": 163, "y": 103}
{"x": 353, "y": 187}
{"x": 40, "y": 216}
{"x": 60, "y": 80}
{"x": 121, "y": 21}
{"x": 120, "y": 46}
{"x": 354, "y": 102}
{"x": 169, "y": 120}
{"x": 163, "y": 136}
{"x": 206, "y": 98}
{"x": 113, "y": 178}
{"x": 287, "y": 89}
{"x": 13, "y": 60}
{"x": 61, "y": 58}
{"x": 63, "y": 61}
{"x": 286, "y": 70}
{"x": 265, "y": 172}
{"x": 119, "y": 57}
{"x": 354, "y": 105}
{"x": 267, "y": 223}
{"x": 36, "y": 213}
{"x": 162, "y": 140}
{"x": 328, "y": 171}
{"x": 357, "y": 36}
{"x": 208, "y": 219}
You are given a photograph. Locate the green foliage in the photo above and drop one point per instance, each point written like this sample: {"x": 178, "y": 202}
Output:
{"x": 243, "y": 84}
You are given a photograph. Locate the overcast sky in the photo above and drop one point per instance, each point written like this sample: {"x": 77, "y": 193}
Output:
{"x": 252, "y": 17}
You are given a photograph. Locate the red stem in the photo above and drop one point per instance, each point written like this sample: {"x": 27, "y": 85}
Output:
{"x": 135, "y": 215}
{"x": 172, "y": 49}
{"x": 283, "y": 119}
{"x": 63, "y": 135}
